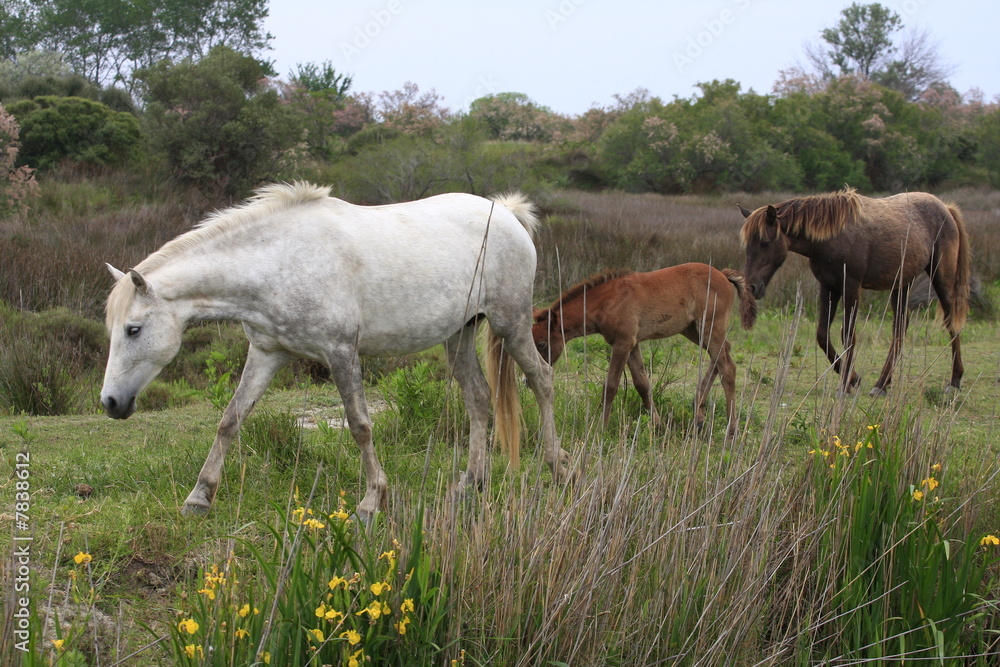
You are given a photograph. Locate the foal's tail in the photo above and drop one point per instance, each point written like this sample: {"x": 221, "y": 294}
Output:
{"x": 748, "y": 304}
{"x": 503, "y": 388}
{"x": 955, "y": 320}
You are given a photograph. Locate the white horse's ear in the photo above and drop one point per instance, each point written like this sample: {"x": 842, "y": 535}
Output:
{"x": 115, "y": 273}
{"x": 141, "y": 286}
{"x": 746, "y": 213}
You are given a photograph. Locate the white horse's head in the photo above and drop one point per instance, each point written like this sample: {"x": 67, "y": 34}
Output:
{"x": 145, "y": 336}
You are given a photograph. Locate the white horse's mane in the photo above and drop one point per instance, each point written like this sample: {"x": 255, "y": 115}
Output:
{"x": 265, "y": 201}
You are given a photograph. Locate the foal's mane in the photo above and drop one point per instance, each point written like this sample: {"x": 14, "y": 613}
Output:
{"x": 817, "y": 218}
{"x": 265, "y": 201}
{"x": 589, "y": 283}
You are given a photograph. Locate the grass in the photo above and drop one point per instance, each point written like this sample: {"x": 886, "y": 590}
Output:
{"x": 673, "y": 547}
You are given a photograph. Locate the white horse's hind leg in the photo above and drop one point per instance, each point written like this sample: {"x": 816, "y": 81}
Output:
{"x": 461, "y": 350}
{"x": 346, "y": 370}
{"x": 258, "y": 372}
{"x": 521, "y": 347}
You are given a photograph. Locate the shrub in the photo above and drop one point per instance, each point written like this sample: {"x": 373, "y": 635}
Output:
{"x": 54, "y": 129}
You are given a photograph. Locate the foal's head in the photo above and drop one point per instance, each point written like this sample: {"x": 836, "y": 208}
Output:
{"x": 548, "y": 334}
{"x": 766, "y": 246}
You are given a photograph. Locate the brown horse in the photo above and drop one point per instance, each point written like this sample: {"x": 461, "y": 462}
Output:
{"x": 854, "y": 243}
{"x": 628, "y": 308}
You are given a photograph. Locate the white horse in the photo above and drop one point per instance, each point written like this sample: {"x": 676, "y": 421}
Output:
{"x": 313, "y": 276}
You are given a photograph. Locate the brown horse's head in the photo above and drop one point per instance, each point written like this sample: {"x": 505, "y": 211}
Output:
{"x": 547, "y": 332}
{"x": 766, "y": 246}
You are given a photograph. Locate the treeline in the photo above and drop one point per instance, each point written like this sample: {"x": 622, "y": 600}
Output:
{"x": 210, "y": 114}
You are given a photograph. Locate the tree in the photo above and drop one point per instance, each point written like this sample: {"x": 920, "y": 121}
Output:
{"x": 108, "y": 40}
{"x": 862, "y": 45}
{"x": 319, "y": 95}
{"x": 514, "y": 117}
{"x": 217, "y": 123}
{"x": 860, "y": 42}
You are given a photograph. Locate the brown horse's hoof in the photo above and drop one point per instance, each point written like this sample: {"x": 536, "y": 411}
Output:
{"x": 877, "y": 392}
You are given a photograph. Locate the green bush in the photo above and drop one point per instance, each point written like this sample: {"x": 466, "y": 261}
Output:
{"x": 216, "y": 123}
{"x": 54, "y": 129}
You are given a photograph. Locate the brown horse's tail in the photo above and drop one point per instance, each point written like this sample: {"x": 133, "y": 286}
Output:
{"x": 503, "y": 388}
{"x": 960, "y": 288}
{"x": 748, "y": 304}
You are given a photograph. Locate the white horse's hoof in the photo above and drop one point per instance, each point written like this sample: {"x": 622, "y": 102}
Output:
{"x": 191, "y": 509}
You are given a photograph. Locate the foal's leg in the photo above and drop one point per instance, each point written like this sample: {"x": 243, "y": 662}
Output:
{"x": 900, "y": 321}
{"x": 712, "y": 347}
{"x": 345, "y": 366}
{"x": 642, "y": 384}
{"x": 461, "y": 351}
{"x": 258, "y": 372}
{"x": 620, "y": 354}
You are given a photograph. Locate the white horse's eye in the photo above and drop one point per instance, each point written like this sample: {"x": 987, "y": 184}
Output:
{"x": 132, "y": 331}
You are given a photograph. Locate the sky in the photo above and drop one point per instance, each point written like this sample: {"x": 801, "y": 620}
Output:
{"x": 573, "y": 55}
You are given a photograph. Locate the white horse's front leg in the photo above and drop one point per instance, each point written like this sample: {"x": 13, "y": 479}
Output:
{"x": 346, "y": 370}
{"x": 260, "y": 369}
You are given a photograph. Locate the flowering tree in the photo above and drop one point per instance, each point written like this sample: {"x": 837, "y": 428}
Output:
{"x": 17, "y": 183}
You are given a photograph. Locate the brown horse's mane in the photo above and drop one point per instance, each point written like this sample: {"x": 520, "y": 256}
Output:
{"x": 817, "y": 217}
{"x": 589, "y": 283}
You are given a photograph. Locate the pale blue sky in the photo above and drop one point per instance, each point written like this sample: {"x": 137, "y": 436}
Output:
{"x": 571, "y": 55}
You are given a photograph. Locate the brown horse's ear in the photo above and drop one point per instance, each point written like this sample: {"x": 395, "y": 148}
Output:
{"x": 539, "y": 314}
{"x": 772, "y": 215}
{"x": 746, "y": 213}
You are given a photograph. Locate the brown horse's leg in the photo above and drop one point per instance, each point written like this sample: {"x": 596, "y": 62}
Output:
{"x": 258, "y": 372}
{"x": 900, "y": 321}
{"x": 852, "y": 299}
{"x": 345, "y": 367}
{"x": 642, "y": 384}
{"x": 828, "y": 300}
{"x": 620, "y": 352}
{"x": 942, "y": 286}
{"x": 464, "y": 364}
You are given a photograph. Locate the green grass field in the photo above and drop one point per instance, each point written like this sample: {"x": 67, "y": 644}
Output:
{"x": 796, "y": 544}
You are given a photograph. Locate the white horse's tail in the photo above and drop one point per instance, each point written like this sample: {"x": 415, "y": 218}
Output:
{"x": 522, "y": 208}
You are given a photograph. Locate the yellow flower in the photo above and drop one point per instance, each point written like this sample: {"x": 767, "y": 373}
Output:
{"x": 191, "y": 649}
{"x": 930, "y": 483}
{"x": 918, "y": 495}
{"x": 314, "y": 524}
{"x": 334, "y": 615}
{"x": 242, "y": 632}
{"x": 265, "y": 657}
{"x": 356, "y": 658}
{"x": 380, "y": 587}
{"x": 82, "y": 558}
{"x": 320, "y": 611}
{"x": 210, "y": 592}
{"x": 874, "y": 427}
{"x": 340, "y": 514}
{"x": 401, "y": 626}
{"x": 391, "y": 557}
{"x": 990, "y": 540}
{"x": 353, "y": 636}
{"x": 245, "y": 610}
{"x": 335, "y": 582}
{"x": 316, "y": 634}
{"x": 374, "y": 610}
{"x": 59, "y": 643}
{"x": 936, "y": 467}
{"x": 407, "y": 605}
{"x": 189, "y": 626}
